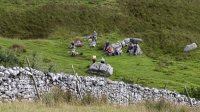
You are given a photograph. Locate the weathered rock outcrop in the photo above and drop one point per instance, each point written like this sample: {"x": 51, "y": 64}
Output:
{"x": 16, "y": 84}
{"x": 101, "y": 69}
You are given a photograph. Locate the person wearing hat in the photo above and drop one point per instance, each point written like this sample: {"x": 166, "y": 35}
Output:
{"x": 94, "y": 59}
{"x": 102, "y": 60}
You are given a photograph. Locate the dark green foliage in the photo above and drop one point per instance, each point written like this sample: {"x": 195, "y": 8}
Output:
{"x": 51, "y": 68}
{"x": 17, "y": 48}
{"x": 34, "y": 60}
{"x": 166, "y": 26}
{"x": 41, "y": 21}
{"x": 193, "y": 92}
{"x": 9, "y": 59}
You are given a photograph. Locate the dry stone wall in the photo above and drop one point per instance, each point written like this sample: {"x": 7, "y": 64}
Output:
{"x": 16, "y": 84}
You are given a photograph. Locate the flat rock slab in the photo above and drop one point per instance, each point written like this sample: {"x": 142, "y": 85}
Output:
{"x": 135, "y": 40}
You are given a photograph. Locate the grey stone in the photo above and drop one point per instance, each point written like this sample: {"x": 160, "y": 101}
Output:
{"x": 190, "y": 47}
{"x": 101, "y": 69}
{"x": 135, "y": 40}
{"x": 14, "y": 88}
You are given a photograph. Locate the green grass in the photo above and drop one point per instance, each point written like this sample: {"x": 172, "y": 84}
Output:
{"x": 132, "y": 69}
{"x": 165, "y": 26}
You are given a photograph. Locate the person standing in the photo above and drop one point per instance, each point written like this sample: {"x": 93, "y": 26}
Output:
{"x": 72, "y": 45}
{"x": 94, "y": 36}
{"x": 94, "y": 58}
{"x": 106, "y": 45}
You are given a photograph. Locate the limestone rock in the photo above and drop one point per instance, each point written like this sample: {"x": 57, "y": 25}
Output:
{"x": 101, "y": 69}
{"x": 190, "y": 47}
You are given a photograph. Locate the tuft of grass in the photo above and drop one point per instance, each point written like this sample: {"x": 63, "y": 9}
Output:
{"x": 57, "y": 97}
{"x": 143, "y": 107}
{"x": 164, "y": 106}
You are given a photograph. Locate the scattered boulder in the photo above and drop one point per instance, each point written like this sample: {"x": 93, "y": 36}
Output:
{"x": 101, "y": 69}
{"x": 116, "y": 45}
{"x": 190, "y": 47}
{"x": 126, "y": 40}
{"x": 135, "y": 40}
{"x": 93, "y": 44}
{"x": 136, "y": 51}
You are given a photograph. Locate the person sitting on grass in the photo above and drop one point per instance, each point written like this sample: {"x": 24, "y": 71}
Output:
{"x": 102, "y": 60}
{"x": 135, "y": 47}
{"x": 130, "y": 47}
{"x": 93, "y": 37}
{"x": 110, "y": 51}
{"x": 72, "y": 45}
{"x": 118, "y": 51}
{"x": 73, "y": 52}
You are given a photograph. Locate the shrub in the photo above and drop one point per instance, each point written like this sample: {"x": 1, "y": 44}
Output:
{"x": 46, "y": 60}
{"x": 193, "y": 92}
{"x": 34, "y": 60}
{"x": 9, "y": 58}
{"x": 17, "y": 48}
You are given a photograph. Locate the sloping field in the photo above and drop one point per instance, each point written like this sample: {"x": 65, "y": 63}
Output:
{"x": 48, "y": 27}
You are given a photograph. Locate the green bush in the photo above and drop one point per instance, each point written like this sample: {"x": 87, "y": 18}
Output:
{"x": 17, "y": 48}
{"x": 8, "y": 58}
{"x": 193, "y": 92}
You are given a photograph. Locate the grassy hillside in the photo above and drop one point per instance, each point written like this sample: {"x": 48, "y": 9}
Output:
{"x": 164, "y": 25}
{"x": 47, "y": 27}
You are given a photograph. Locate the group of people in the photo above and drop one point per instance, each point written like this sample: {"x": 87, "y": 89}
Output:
{"x": 116, "y": 49}
{"x": 77, "y": 43}
{"x": 110, "y": 49}
{"x": 93, "y": 39}
{"x": 102, "y": 60}
{"x": 113, "y": 50}
{"x": 74, "y": 44}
